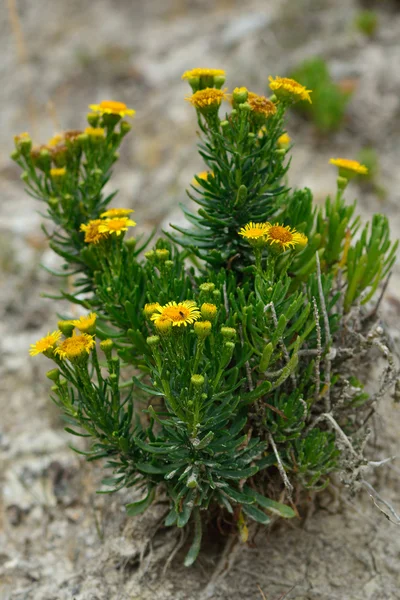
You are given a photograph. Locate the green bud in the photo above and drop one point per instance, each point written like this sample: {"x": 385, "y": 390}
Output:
{"x": 66, "y": 327}
{"x": 125, "y": 127}
{"x": 25, "y": 176}
{"x": 228, "y": 333}
{"x": 53, "y": 202}
{"x": 216, "y": 295}
{"x": 202, "y": 328}
{"x": 97, "y": 173}
{"x": 208, "y": 311}
{"x": 15, "y": 155}
{"x": 197, "y": 380}
{"x": 280, "y": 152}
{"x": 224, "y": 124}
{"x": 194, "y": 83}
{"x": 207, "y": 287}
{"x": 240, "y": 95}
{"x": 130, "y": 243}
{"x": 153, "y": 340}
{"x": 245, "y": 107}
{"x": 54, "y": 375}
{"x": 113, "y": 377}
{"x": 162, "y": 254}
{"x": 219, "y": 81}
{"x": 150, "y": 255}
{"x": 93, "y": 119}
{"x": 169, "y": 264}
{"x": 107, "y": 346}
{"x": 55, "y": 389}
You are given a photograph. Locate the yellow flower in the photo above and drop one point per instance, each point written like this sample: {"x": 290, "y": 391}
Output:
{"x": 203, "y": 73}
{"x": 56, "y": 173}
{"x": 178, "y": 314}
{"x": 75, "y": 347}
{"x": 284, "y": 141}
{"x": 163, "y": 325}
{"x": 150, "y": 308}
{"x": 349, "y": 168}
{"x": 209, "y": 98}
{"x": 202, "y": 328}
{"x": 55, "y": 140}
{"x": 95, "y": 132}
{"x": 86, "y": 324}
{"x": 46, "y": 344}
{"x": 289, "y": 89}
{"x": 92, "y": 233}
{"x": 110, "y": 107}
{"x": 112, "y": 213}
{"x": 208, "y": 311}
{"x": 284, "y": 236}
{"x": 202, "y": 175}
{"x": 261, "y": 105}
{"x": 116, "y": 225}
{"x": 254, "y": 231}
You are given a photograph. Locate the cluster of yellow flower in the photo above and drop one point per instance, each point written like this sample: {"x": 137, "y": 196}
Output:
{"x": 112, "y": 221}
{"x": 75, "y": 346}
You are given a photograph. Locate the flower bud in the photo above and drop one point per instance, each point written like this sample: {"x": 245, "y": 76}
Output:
{"x": 202, "y": 328}
{"x": 93, "y": 119}
{"x": 66, "y": 327}
{"x": 163, "y": 326}
{"x": 207, "y": 287}
{"x": 44, "y": 160}
{"x": 125, "y": 127}
{"x": 130, "y": 243}
{"x": 162, "y": 254}
{"x": 150, "y": 255}
{"x": 219, "y": 81}
{"x": 150, "y": 309}
{"x": 228, "y": 333}
{"x": 169, "y": 264}
{"x": 240, "y": 95}
{"x": 25, "y": 176}
{"x": 23, "y": 143}
{"x": 197, "y": 380}
{"x": 208, "y": 311}
{"x": 153, "y": 340}
{"x": 107, "y": 346}
{"x": 58, "y": 173}
{"x": 54, "y": 375}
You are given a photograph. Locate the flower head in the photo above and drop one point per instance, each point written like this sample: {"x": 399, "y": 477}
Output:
{"x": 112, "y": 213}
{"x": 86, "y": 324}
{"x": 46, "y": 344}
{"x": 92, "y": 233}
{"x": 75, "y": 347}
{"x": 284, "y": 141}
{"x": 284, "y": 237}
{"x": 289, "y": 89}
{"x": 110, "y": 107}
{"x": 208, "y": 311}
{"x": 261, "y": 105}
{"x": 150, "y": 308}
{"x": 95, "y": 132}
{"x": 116, "y": 225}
{"x": 254, "y": 231}
{"x": 207, "y": 99}
{"x": 181, "y": 313}
{"x": 349, "y": 168}
{"x": 57, "y": 173}
{"x": 203, "y": 73}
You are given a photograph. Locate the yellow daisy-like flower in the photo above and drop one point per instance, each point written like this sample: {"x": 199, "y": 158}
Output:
{"x": 284, "y": 141}
{"x": 46, "y": 344}
{"x": 116, "y": 225}
{"x": 95, "y": 132}
{"x": 92, "y": 233}
{"x": 209, "y": 98}
{"x": 75, "y": 347}
{"x": 349, "y": 168}
{"x": 289, "y": 89}
{"x": 284, "y": 236}
{"x": 203, "y": 73}
{"x": 110, "y": 107}
{"x": 181, "y": 313}
{"x": 113, "y": 213}
{"x": 261, "y": 105}
{"x": 86, "y": 324}
{"x": 254, "y": 231}
{"x": 57, "y": 173}
{"x": 150, "y": 308}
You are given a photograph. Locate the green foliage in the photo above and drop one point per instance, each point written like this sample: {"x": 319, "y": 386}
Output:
{"x": 214, "y": 379}
{"x": 366, "y": 21}
{"x": 329, "y": 102}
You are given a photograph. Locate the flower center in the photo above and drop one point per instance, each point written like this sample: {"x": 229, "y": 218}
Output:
{"x": 176, "y": 313}
{"x": 112, "y": 105}
{"x": 279, "y": 233}
{"x": 74, "y": 346}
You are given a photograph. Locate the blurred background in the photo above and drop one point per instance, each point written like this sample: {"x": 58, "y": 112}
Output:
{"x": 57, "y": 57}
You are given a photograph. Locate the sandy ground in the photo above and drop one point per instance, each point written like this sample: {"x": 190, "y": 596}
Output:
{"x": 58, "y": 539}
